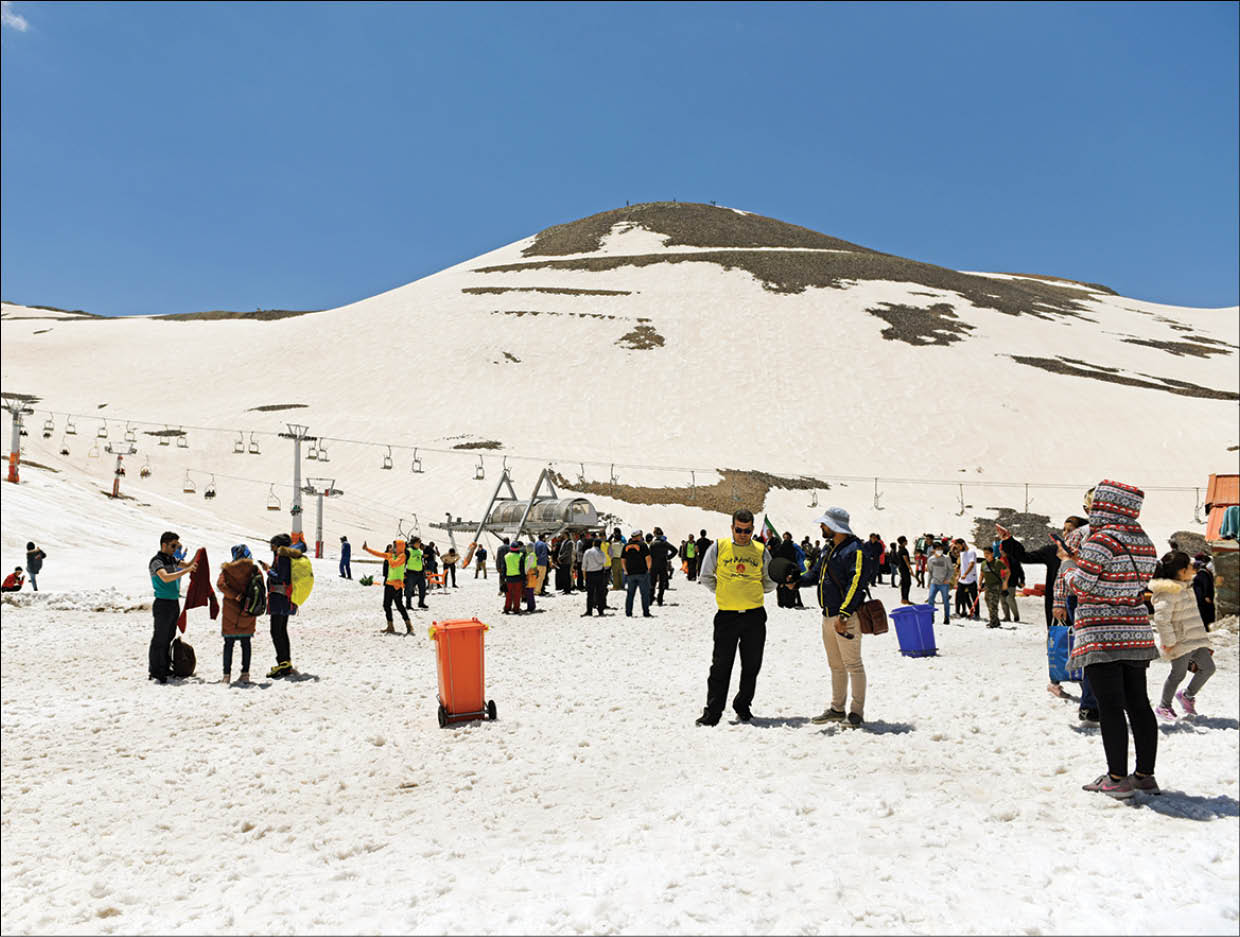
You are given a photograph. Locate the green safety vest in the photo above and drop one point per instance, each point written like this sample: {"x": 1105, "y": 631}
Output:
{"x": 415, "y": 561}
{"x": 512, "y": 561}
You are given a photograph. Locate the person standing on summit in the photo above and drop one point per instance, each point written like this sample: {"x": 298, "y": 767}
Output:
{"x": 165, "y": 570}
{"x": 737, "y": 571}
{"x": 34, "y": 563}
{"x": 346, "y": 554}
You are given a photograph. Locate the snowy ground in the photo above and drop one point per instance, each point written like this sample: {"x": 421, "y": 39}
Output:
{"x": 335, "y": 804}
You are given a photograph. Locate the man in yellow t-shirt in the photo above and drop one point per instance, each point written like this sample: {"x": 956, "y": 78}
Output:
{"x": 737, "y": 571}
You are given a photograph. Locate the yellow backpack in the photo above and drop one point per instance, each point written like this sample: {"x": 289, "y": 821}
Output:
{"x": 302, "y": 576}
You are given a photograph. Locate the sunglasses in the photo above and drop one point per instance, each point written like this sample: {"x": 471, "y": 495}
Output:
{"x": 743, "y": 530}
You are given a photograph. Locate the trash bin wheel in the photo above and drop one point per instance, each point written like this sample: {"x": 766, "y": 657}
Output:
{"x": 491, "y": 709}
{"x": 443, "y": 716}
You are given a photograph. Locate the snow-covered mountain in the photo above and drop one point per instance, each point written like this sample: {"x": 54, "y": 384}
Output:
{"x": 657, "y": 344}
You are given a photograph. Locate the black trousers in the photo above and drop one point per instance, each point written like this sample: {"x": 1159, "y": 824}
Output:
{"x": 746, "y": 630}
{"x": 279, "y": 638}
{"x": 449, "y": 572}
{"x": 906, "y": 583}
{"x": 564, "y": 577}
{"x": 415, "y": 580}
{"x": 229, "y": 640}
{"x": 165, "y": 612}
{"x": 391, "y": 595}
{"x": 661, "y": 579}
{"x": 1120, "y": 688}
{"x": 596, "y": 590}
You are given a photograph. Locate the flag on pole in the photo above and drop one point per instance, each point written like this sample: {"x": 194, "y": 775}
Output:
{"x": 769, "y": 532}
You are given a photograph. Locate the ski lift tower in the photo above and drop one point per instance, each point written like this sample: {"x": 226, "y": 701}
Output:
{"x": 322, "y": 488}
{"x": 17, "y": 409}
{"x": 297, "y": 433}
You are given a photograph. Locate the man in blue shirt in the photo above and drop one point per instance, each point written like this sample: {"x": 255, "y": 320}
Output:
{"x": 346, "y": 553}
{"x": 165, "y": 570}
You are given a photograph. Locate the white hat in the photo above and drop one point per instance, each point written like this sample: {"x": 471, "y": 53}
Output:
{"x": 836, "y": 519}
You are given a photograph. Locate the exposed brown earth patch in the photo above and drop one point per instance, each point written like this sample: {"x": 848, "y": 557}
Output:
{"x": 1080, "y": 369}
{"x": 24, "y": 398}
{"x": 542, "y": 312}
{"x": 691, "y": 224}
{"x": 259, "y": 315}
{"x": 1032, "y": 530}
{"x": 794, "y": 271}
{"x": 163, "y": 432}
{"x": 1181, "y": 349}
{"x": 736, "y": 489}
{"x": 483, "y": 444}
{"x": 556, "y": 291}
{"x": 511, "y": 357}
{"x": 937, "y": 325}
{"x": 273, "y": 407}
{"x": 643, "y": 337}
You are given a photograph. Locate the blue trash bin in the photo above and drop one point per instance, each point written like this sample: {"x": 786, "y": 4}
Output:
{"x": 915, "y": 630}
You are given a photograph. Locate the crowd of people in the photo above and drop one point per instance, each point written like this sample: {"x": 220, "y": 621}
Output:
{"x": 1123, "y": 605}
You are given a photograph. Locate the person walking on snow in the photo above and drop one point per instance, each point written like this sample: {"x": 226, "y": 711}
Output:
{"x": 966, "y": 586}
{"x": 514, "y": 578}
{"x": 842, "y": 576}
{"x": 165, "y": 570}
{"x": 279, "y": 605}
{"x": 737, "y": 571}
{"x": 346, "y": 552}
{"x": 236, "y": 624}
{"x": 994, "y": 582}
{"x": 939, "y": 569}
{"x": 595, "y": 568}
{"x": 1182, "y": 635}
{"x": 637, "y": 563}
{"x": 415, "y": 574}
{"x": 394, "y": 559}
{"x": 1114, "y": 640}
{"x": 34, "y": 564}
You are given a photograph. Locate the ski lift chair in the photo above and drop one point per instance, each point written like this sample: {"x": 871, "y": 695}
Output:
{"x": 210, "y": 492}
{"x": 131, "y": 434}
{"x": 145, "y": 471}
{"x": 312, "y": 453}
{"x": 387, "y": 459}
{"x": 49, "y": 427}
{"x": 165, "y": 439}
{"x": 188, "y": 485}
{"x": 64, "y": 446}
{"x": 479, "y": 471}
{"x": 273, "y": 502}
{"x": 239, "y": 444}
{"x": 70, "y": 429}
{"x": 254, "y": 450}
{"x": 182, "y": 440}
{"x": 323, "y": 452}
{"x": 416, "y": 465}
{"x": 103, "y": 430}
{"x": 93, "y": 451}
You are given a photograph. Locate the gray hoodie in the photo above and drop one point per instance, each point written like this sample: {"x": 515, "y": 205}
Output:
{"x": 940, "y": 568}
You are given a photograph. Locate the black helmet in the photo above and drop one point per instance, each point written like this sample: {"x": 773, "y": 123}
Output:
{"x": 281, "y": 540}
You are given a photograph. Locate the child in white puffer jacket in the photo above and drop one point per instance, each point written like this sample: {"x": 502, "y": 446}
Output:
{"x": 1182, "y": 635}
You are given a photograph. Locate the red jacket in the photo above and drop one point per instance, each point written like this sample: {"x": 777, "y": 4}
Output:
{"x": 200, "y": 592}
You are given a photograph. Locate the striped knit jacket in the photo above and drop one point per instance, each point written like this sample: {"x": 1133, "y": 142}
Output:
{"x": 1112, "y": 623}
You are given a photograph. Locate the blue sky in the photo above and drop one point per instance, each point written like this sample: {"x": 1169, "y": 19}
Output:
{"x": 177, "y": 157}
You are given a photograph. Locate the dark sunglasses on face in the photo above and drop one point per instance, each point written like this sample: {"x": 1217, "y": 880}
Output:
{"x": 743, "y": 530}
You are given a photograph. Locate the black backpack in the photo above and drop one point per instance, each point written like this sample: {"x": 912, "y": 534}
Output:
{"x": 254, "y": 599}
{"x": 183, "y": 659}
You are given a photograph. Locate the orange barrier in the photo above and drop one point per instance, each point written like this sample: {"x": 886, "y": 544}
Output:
{"x": 436, "y": 579}
{"x": 460, "y": 655}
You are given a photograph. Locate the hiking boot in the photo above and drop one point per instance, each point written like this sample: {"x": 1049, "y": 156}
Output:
{"x": 245, "y": 677}
{"x": 1166, "y": 713}
{"x": 706, "y": 719}
{"x": 408, "y": 628}
{"x": 1088, "y": 717}
{"x": 389, "y": 629}
{"x": 855, "y": 720}
{"x": 1188, "y": 702}
{"x": 227, "y": 678}
{"x": 1054, "y": 689}
{"x": 1146, "y": 785}
{"x": 1105, "y": 784}
{"x": 829, "y": 715}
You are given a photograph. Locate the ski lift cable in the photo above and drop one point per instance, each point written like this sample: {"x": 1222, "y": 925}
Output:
{"x": 543, "y": 459}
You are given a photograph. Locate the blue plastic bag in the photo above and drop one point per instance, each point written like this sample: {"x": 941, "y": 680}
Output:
{"x": 1059, "y": 642}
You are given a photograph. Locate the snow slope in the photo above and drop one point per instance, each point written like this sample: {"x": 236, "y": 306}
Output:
{"x": 333, "y": 803}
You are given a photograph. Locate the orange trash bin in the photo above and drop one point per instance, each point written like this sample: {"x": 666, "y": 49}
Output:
{"x": 459, "y": 650}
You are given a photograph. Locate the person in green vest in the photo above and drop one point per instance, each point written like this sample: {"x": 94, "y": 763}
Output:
{"x": 690, "y": 552}
{"x": 514, "y": 578}
{"x": 393, "y": 581}
{"x": 737, "y": 571}
{"x": 165, "y": 572}
{"x": 415, "y": 574}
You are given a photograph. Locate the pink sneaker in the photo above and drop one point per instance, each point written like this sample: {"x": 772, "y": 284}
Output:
{"x": 1166, "y": 713}
{"x": 1120, "y": 790}
{"x": 1188, "y": 702}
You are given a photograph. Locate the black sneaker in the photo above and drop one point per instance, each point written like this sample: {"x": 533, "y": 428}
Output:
{"x": 744, "y": 715}
{"x": 1089, "y": 717}
{"x": 706, "y": 719}
{"x": 854, "y": 721}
